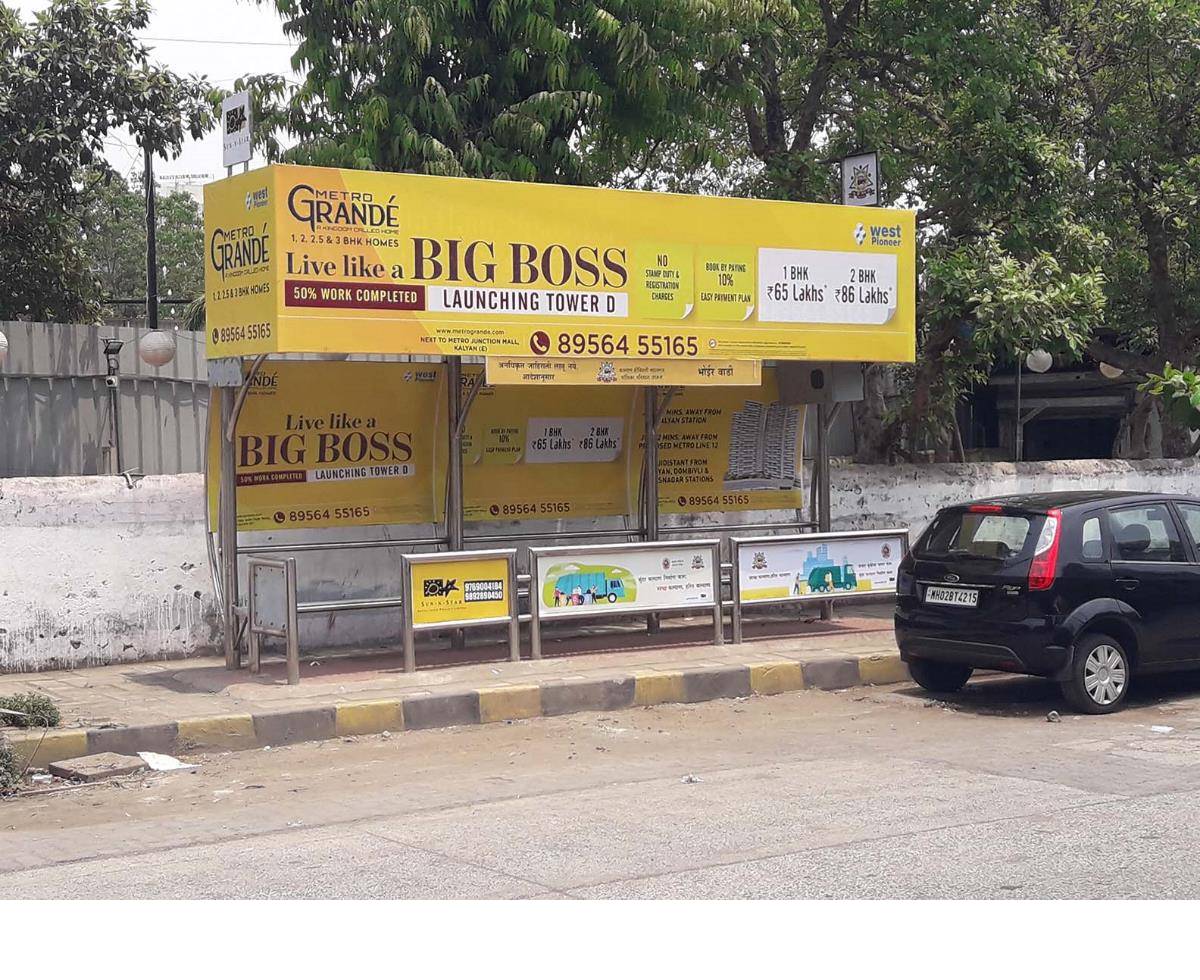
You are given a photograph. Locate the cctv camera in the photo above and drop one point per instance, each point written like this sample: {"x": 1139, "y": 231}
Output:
{"x": 112, "y": 381}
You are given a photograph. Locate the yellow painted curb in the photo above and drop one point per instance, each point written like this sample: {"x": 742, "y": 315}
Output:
{"x": 776, "y": 677}
{"x": 658, "y": 688}
{"x": 369, "y": 718}
{"x": 55, "y": 747}
{"x": 509, "y": 703}
{"x": 218, "y": 732}
{"x": 882, "y": 670}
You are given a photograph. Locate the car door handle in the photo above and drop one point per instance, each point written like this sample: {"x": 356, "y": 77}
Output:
{"x": 1128, "y": 584}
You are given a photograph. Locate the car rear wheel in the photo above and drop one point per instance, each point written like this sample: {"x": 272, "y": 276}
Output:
{"x": 938, "y": 677}
{"x": 1099, "y": 677}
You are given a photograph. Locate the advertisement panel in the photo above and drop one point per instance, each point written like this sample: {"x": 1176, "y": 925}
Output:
{"x": 330, "y": 444}
{"x": 597, "y": 371}
{"x": 536, "y": 452}
{"x": 624, "y": 580}
{"x": 309, "y": 259}
{"x": 821, "y": 568}
{"x": 730, "y": 449}
{"x": 338, "y": 444}
{"x": 460, "y": 589}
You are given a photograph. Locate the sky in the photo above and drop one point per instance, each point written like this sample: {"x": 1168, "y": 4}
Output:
{"x": 223, "y": 39}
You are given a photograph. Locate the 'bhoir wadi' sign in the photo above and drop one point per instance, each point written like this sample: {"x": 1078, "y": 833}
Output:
{"x": 306, "y": 259}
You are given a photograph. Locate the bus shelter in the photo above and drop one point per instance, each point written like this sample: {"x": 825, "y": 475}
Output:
{"x": 410, "y": 350}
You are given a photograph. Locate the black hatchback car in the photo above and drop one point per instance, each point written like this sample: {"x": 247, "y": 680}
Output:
{"x": 1087, "y": 588}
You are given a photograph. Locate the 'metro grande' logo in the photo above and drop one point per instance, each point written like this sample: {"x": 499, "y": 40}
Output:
{"x": 232, "y": 251}
{"x": 323, "y": 207}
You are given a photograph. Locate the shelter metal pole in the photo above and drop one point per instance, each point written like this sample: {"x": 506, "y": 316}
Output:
{"x": 1019, "y": 432}
{"x": 408, "y": 635}
{"x": 151, "y": 245}
{"x": 227, "y": 530}
{"x": 293, "y": 622}
{"x": 823, "y": 515}
{"x": 454, "y": 472}
{"x": 650, "y": 482}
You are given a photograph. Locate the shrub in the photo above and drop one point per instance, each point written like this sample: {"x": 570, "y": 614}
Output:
{"x": 10, "y": 767}
{"x": 38, "y": 710}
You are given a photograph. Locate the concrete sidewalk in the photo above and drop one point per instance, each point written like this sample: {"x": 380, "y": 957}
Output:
{"x": 192, "y": 704}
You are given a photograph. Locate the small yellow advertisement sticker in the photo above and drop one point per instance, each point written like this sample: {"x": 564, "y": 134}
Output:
{"x": 725, "y": 283}
{"x": 662, "y": 281}
{"x": 460, "y": 590}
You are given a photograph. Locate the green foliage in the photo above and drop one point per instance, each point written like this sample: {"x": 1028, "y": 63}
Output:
{"x": 10, "y": 767}
{"x": 68, "y": 78}
{"x": 114, "y": 244}
{"x": 1180, "y": 393}
{"x": 37, "y": 711}
{"x": 488, "y": 88}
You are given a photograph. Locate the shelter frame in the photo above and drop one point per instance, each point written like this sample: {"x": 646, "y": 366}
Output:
{"x": 225, "y": 553}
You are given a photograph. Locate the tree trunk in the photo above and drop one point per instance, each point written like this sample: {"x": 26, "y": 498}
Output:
{"x": 870, "y": 435}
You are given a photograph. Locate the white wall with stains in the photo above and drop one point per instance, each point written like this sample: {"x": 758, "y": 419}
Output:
{"x": 93, "y": 571}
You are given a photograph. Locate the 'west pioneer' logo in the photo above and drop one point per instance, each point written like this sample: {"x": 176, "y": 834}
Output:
{"x": 888, "y": 236}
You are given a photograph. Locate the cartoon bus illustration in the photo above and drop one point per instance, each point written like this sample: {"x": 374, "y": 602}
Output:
{"x": 587, "y": 585}
{"x": 830, "y": 578}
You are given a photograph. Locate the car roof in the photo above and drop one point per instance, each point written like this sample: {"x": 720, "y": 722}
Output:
{"x": 1073, "y": 498}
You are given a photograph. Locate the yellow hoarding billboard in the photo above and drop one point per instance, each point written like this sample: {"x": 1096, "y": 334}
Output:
{"x": 334, "y": 444}
{"x": 730, "y": 449}
{"x": 597, "y": 371}
{"x": 310, "y": 259}
{"x": 460, "y": 590}
{"x": 536, "y": 452}
{"x": 329, "y": 444}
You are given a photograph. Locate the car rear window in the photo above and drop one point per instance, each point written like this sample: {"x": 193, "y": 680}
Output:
{"x": 976, "y": 535}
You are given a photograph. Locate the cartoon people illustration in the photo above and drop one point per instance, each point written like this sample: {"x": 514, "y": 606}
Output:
{"x": 796, "y": 584}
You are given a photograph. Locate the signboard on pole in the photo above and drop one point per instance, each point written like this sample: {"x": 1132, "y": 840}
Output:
{"x": 636, "y": 579}
{"x": 460, "y": 589}
{"x": 860, "y": 180}
{"x": 597, "y": 371}
{"x": 235, "y": 128}
{"x": 827, "y": 566}
{"x": 307, "y": 259}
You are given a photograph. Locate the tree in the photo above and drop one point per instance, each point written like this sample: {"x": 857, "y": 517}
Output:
{"x": 959, "y": 96}
{"x": 67, "y": 79}
{"x": 114, "y": 244}
{"x": 485, "y": 88}
{"x": 1136, "y": 72}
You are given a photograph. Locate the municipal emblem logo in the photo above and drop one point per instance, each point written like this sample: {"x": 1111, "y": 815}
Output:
{"x": 860, "y": 233}
{"x": 862, "y": 187}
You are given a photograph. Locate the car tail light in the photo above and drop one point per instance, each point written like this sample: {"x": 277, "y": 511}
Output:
{"x": 1045, "y": 555}
{"x": 985, "y": 509}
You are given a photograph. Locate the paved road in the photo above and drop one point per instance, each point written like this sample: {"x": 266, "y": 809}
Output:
{"x": 866, "y": 793}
